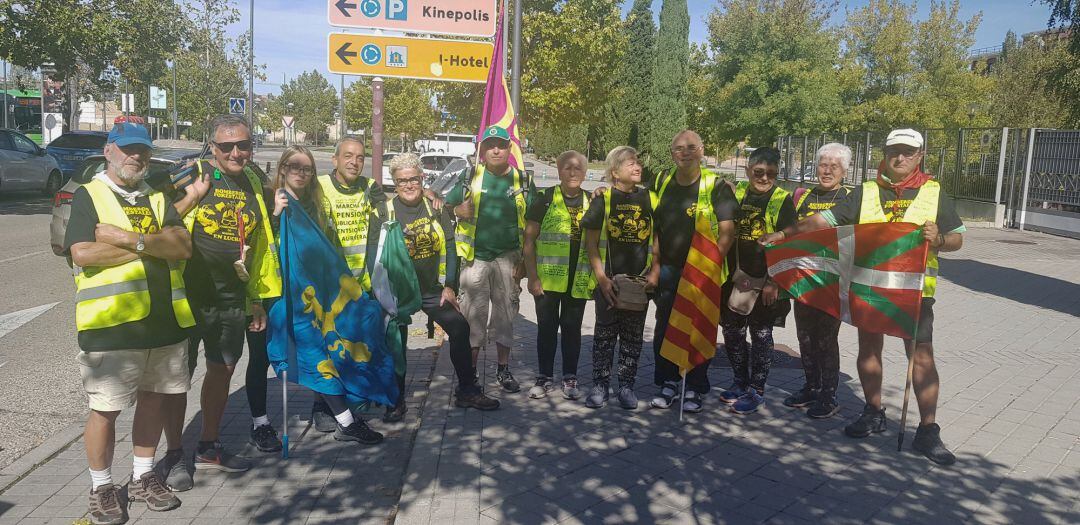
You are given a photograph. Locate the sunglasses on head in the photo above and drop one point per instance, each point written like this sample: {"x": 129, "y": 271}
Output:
{"x": 225, "y": 147}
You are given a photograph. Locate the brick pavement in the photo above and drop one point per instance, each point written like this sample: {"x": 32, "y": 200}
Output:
{"x": 1008, "y": 345}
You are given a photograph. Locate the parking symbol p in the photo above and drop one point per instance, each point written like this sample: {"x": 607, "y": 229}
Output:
{"x": 397, "y": 9}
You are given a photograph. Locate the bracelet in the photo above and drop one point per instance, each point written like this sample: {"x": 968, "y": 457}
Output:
{"x": 941, "y": 240}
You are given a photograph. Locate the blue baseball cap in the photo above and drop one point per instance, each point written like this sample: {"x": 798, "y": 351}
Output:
{"x": 128, "y": 133}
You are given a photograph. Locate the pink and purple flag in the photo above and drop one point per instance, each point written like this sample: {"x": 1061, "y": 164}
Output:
{"x": 498, "y": 111}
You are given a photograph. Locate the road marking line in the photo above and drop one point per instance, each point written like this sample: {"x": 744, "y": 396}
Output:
{"x": 24, "y": 256}
{"x": 9, "y": 322}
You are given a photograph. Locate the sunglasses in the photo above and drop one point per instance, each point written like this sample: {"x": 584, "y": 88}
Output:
{"x": 225, "y": 147}
{"x": 409, "y": 181}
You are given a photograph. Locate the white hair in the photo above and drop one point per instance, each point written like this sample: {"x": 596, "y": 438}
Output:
{"x": 837, "y": 151}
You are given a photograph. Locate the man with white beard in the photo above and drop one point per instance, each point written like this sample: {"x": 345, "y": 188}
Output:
{"x": 131, "y": 310}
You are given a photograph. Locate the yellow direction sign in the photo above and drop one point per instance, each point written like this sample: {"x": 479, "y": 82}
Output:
{"x": 404, "y": 57}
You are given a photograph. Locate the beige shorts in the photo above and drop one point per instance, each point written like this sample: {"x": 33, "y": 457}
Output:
{"x": 113, "y": 378}
{"x": 490, "y": 298}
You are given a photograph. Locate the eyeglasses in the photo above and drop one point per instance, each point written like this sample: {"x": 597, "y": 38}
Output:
{"x": 299, "y": 168}
{"x": 225, "y": 147}
{"x": 409, "y": 181}
{"x": 902, "y": 152}
{"x": 692, "y": 148}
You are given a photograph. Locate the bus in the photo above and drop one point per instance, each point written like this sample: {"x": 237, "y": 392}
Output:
{"x": 23, "y": 109}
{"x": 452, "y": 143}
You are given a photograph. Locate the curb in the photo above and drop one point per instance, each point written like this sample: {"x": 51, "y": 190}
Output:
{"x": 41, "y": 454}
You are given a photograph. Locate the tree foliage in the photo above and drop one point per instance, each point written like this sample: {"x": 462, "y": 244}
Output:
{"x": 407, "y": 107}
{"x": 1023, "y": 96}
{"x": 1065, "y": 72}
{"x": 314, "y": 102}
{"x": 667, "y": 109}
{"x": 637, "y": 71}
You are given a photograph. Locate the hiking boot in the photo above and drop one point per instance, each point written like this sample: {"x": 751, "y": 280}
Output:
{"x": 570, "y": 388}
{"x": 217, "y": 458}
{"x": 541, "y": 388}
{"x": 265, "y": 439}
{"x": 150, "y": 490}
{"x": 358, "y": 431}
{"x": 668, "y": 394}
{"x": 824, "y": 407}
{"x": 322, "y": 418}
{"x": 105, "y": 507}
{"x": 928, "y": 442}
{"x": 733, "y": 393}
{"x": 396, "y": 413}
{"x": 627, "y": 398}
{"x": 475, "y": 398}
{"x": 506, "y": 380}
{"x": 871, "y": 421}
{"x": 748, "y": 403}
{"x": 805, "y": 397}
{"x": 174, "y": 472}
{"x": 692, "y": 402}
{"x": 598, "y": 396}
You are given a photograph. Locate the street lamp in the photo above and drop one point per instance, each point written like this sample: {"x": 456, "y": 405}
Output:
{"x": 289, "y": 130}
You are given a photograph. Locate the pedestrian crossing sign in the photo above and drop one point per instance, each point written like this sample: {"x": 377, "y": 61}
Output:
{"x": 237, "y": 106}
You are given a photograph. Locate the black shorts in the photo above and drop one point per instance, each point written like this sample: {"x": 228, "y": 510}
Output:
{"x": 926, "y": 321}
{"x": 222, "y": 332}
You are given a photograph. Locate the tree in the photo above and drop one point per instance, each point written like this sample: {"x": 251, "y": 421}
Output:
{"x": 1065, "y": 74}
{"x": 637, "y": 72}
{"x": 313, "y": 101}
{"x": 408, "y": 108}
{"x": 1027, "y": 69}
{"x": 463, "y": 102}
{"x": 358, "y": 105}
{"x": 667, "y": 109}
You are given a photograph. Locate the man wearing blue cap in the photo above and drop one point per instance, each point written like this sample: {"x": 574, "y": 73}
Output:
{"x": 132, "y": 315}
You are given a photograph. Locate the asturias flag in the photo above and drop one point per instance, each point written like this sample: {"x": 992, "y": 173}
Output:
{"x": 868, "y": 275}
{"x": 325, "y": 330}
{"x": 497, "y": 108}
{"x": 690, "y": 339}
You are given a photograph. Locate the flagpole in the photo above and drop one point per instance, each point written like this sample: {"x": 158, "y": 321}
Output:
{"x": 682, "y": 397}
{"x": 284, "y": 414}
{"x": 287, "y": 297}
{"x": 910, "y": 368}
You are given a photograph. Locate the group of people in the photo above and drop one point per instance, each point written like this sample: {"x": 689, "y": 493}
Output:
{"x": 156, "y": 275}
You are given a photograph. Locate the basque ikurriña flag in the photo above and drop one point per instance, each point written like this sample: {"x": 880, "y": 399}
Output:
{"x": 498, "y": 111}
{"x": 867, "y": 275}
{"x": 690, "y": 339}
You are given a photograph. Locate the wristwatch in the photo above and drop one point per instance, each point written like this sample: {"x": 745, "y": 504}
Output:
{"x": 140, "y": 245}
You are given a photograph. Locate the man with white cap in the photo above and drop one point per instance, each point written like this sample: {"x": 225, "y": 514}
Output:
{"x": 902, "y": 192}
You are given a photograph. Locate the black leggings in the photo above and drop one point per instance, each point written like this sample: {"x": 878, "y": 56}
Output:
{"x": 818, "y": 347}
{"x": 258, "y": 363}
{"x": 558, "y": 312}
{"x": 457, "y": 329}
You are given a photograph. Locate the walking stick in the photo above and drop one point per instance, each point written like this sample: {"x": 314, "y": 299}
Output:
{"x": 907, "y": 395}
{"x": 682, "y": 398}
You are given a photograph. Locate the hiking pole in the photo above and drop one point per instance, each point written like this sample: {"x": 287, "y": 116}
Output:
{"x": 682, "y": 397}
{"x": 907, "y": 396}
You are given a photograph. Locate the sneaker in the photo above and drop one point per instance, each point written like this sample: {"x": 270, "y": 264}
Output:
{"x": 506, "y": 380}
{"x": 748, "y": 403}
{"x": 871, "y": 421}
{"x": 265, "y": 439}
{"x": 692, "y": 402}
{"x": 570, "y": 388}
{"x": 322, "y": 418}
{"x": 928, "y": 442}
{"x": 732, "y": 394}
{"x": 216, "y": 458}
{"x": 395, "y": 413}
{"x": 105, "y": 507}
{"x": 668, "y": 394}
{"x": 150, "y": 490}
{"x": 358, "y": 431}
{"x": 824, "y": 407}
{"x": 174, "y": 472}
{"x": 541, "y": 388}
{"x": 805, "y": 397}
{"x": 598, "y": 396}
{"x": 627, "y": 398}
{"x": 475, "y": 398}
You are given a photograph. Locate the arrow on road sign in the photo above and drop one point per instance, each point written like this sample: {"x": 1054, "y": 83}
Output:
{"x": 9, "y": 322}
{"x": 343, "y": 53}
{"x": 342, "y": 5}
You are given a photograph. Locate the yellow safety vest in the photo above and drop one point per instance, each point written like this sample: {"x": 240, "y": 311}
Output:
{"x": 350, "y": 214}
{"x": 654, "y": 201}
{"x": 109, "y": 296}
{"x": 772, "y": 210}
{"x": 465, "y": 232}
{"x": 705, "y": 210}
{"x": 806, "y": 195}
{"x": 923, "y": 208}
{"x": 440, "y": 241}
{"x": 553, "y": 250}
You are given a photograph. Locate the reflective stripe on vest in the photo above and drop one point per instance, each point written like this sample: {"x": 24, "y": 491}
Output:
{"x": 465, "y": 231}
{"x": 923, "y": 208}
{"x": 553, "y": 250}
{"x": 114, "y": 295}
{"x": 350, "y": 213}
{"x": 439, "y": 232}
{"x": 772, "y": 210}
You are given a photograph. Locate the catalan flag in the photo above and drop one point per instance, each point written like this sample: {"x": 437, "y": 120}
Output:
{"x": 498, "y": 111}
{"x": 867, "y": 275}
{"x": 690, "y": 339}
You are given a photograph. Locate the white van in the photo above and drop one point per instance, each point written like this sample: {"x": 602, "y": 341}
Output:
{"x": 449, "y": 143}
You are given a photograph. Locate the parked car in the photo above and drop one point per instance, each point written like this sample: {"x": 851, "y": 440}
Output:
{"x": 387, "y": 180}
{"x": 435, "y": 163}
{"x": 25, "y": 165}
{"x": 158, "y": 177}
{"x": 73, "y": 147}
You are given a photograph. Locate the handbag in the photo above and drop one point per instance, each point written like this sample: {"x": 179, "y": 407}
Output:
{"x": 745, "y": 289}
{"x": 630, "y": 293}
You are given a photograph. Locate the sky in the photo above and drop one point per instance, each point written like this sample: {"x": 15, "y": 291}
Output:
{"x": 290, "y": 36}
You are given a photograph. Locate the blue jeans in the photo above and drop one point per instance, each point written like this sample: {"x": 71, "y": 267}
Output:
{"x": 697, "y": 379}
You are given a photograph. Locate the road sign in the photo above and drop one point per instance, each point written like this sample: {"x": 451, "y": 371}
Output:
{"x": 238, "y": 106}
{"x": 406, "y": 57}
{"x": 287, "y": 121}
{"x": 158, "y": 98}
{"x": 448, "y": 17}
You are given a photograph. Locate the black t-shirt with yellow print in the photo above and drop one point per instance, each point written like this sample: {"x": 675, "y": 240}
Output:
{"x": 629, "y": 229}
{"x": 848, "y": 211}
{"x": 817, "y": 200}
{"x": 750, "y": 225}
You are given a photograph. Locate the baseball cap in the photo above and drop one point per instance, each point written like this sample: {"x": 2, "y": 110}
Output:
{"x": 495, "y": 132}
{"x": 128, "y": 133}
{"x": 906, "y": 136}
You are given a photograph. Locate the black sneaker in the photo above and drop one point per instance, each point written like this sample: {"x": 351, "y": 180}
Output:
{"x": 322, "y": 418}
{"x": 871, "y": 421}
{"x": 928, "y": 443}
{"x": 174, "y": 472}
{"x": 805, "y": 397}
{"x": 824, "y": 407}
{"x": 395, "y": 413}
{"x": 474, "y": 398}
{"x": 506, "y": 380}
{"x": 217, "y": 458}
{"x": 265, "y": 439}
{"x": 358, "y": 431}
